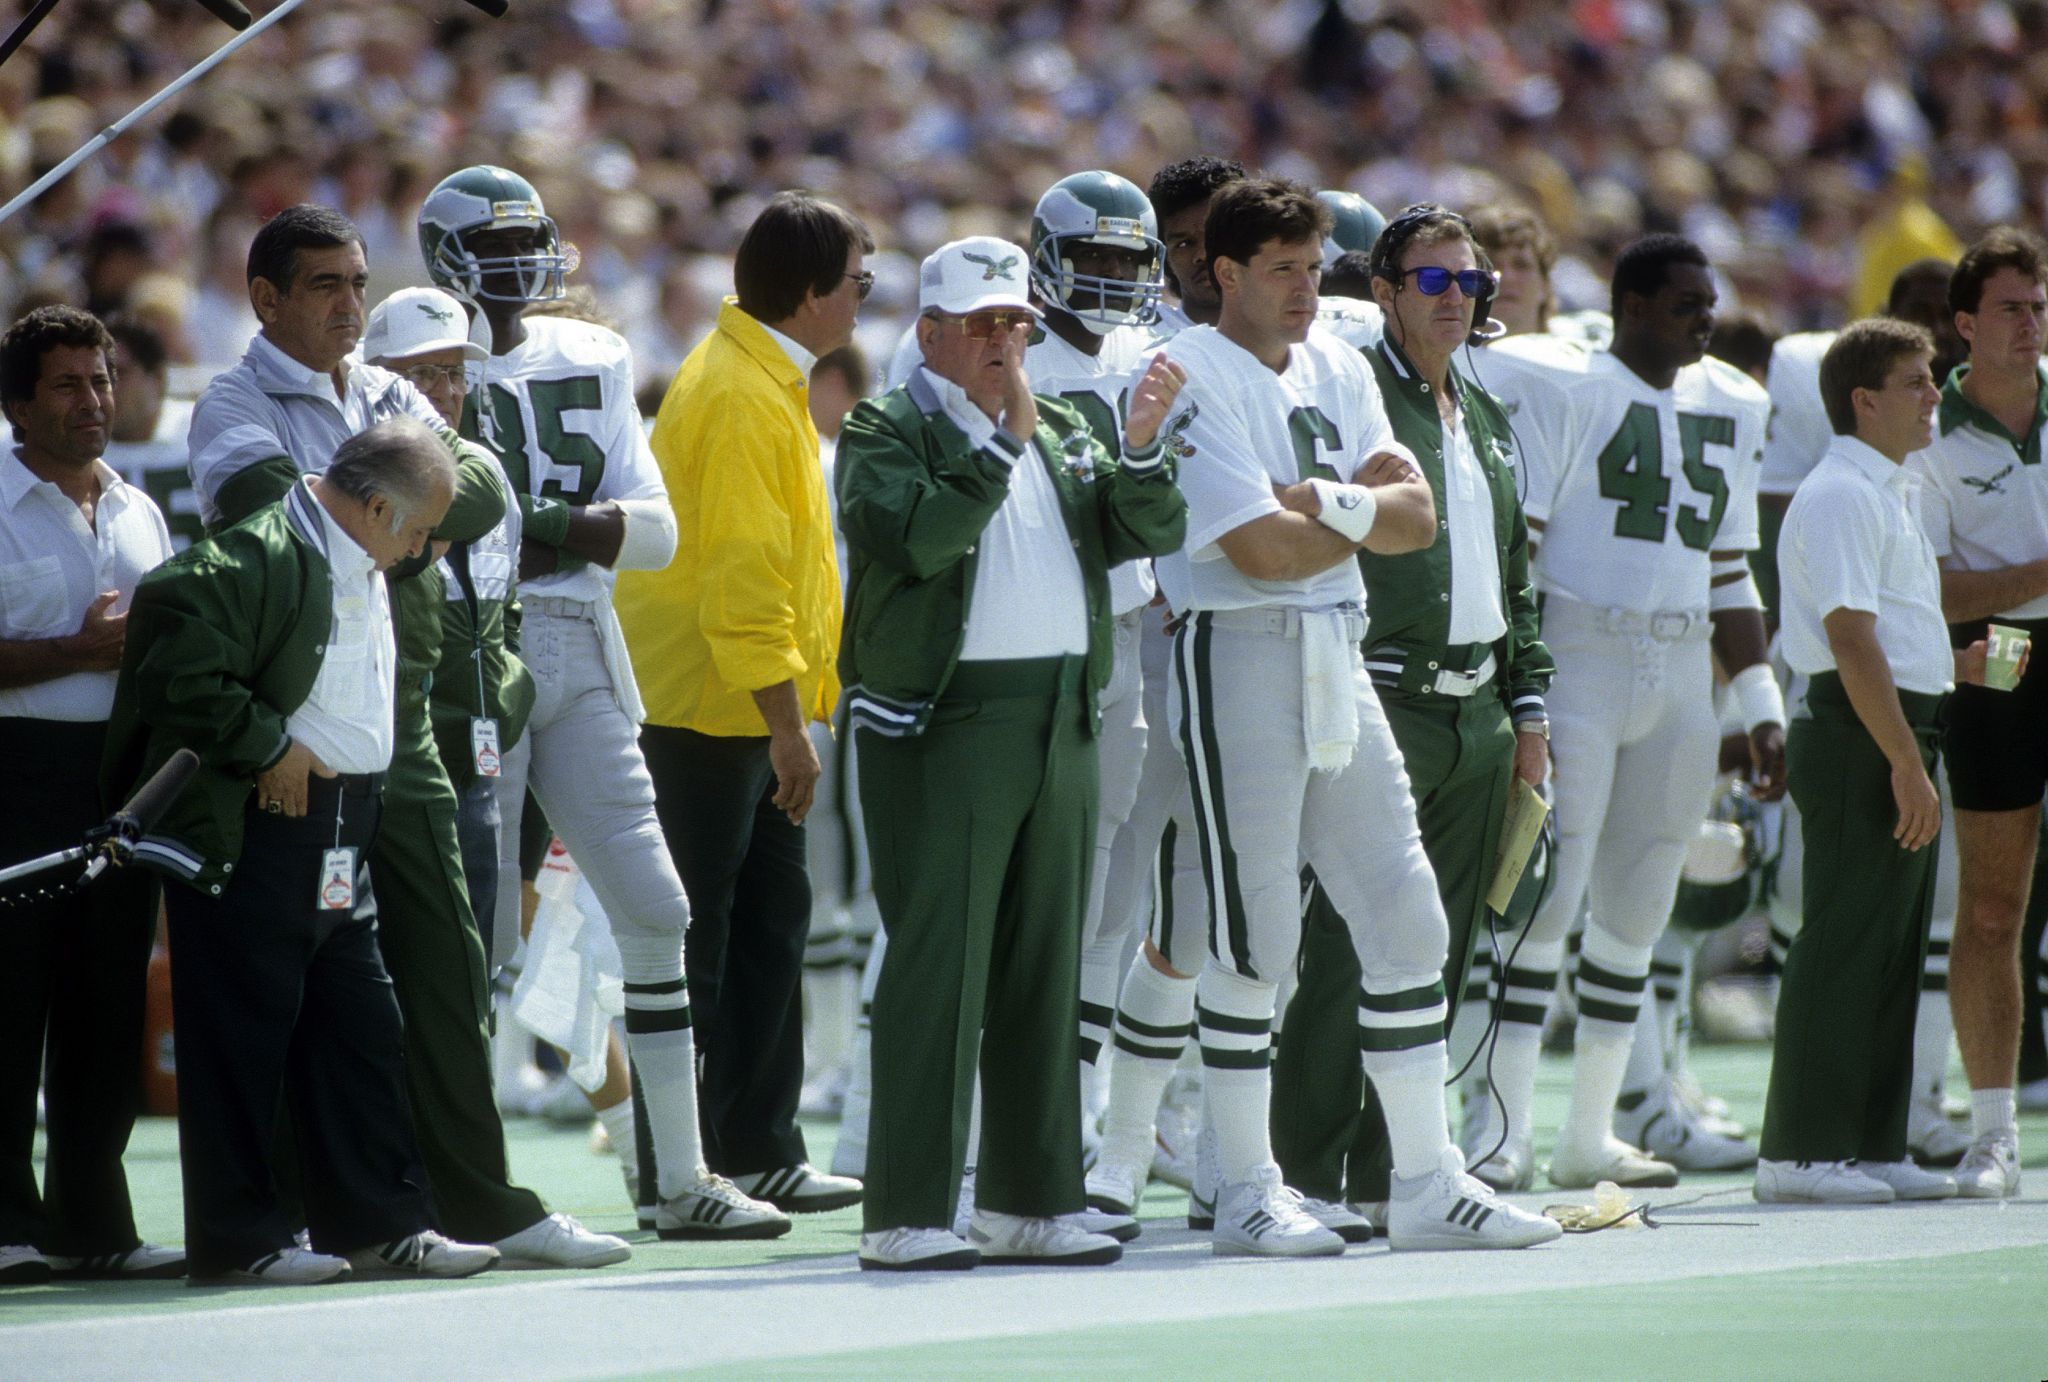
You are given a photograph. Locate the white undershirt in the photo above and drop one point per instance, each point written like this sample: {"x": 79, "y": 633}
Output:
{"x": 1476, "y": 615}
{"x": 347, "y": 719}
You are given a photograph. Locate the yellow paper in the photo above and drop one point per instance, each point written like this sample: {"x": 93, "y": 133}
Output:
{"x": 1526, "y": 811}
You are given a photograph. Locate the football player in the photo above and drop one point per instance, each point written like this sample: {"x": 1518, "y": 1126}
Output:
{"x": 555, "y": 402}
{"x": 1642, "y": 505}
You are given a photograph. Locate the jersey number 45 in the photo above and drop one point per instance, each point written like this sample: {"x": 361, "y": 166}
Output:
{"x": 1632, "y": 473}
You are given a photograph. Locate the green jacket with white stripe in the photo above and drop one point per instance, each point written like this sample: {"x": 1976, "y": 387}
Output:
{"x": 914, "y": 497}
{"x": 1408, "y": 607}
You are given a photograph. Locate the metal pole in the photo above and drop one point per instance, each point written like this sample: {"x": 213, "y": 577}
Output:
{"x": 119, "y": 127}
{"x": 26, "y": 27}
{"x": 48, "y": 861}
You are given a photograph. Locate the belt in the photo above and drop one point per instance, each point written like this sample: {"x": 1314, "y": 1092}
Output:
{"x": 1665, "y": 626}
{"x": 559, "y": 606}
{"x": 1002, "y": 678}
{"x": 1278, "y": 621}
{"x": 1424, "y": 670}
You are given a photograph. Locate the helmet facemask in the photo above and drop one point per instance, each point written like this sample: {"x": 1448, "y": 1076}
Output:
{"x": 538, "y": 273}
{"x": 1102, "y": 302}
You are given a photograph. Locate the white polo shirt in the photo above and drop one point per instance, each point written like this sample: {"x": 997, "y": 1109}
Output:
{"x": 1853, "y": 539}
{"x": 53, "y": 566}
{"x": 1986, "y": 505}
{"x": 1799, "y": 433}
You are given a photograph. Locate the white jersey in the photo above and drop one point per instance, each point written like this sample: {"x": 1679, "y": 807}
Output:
{"x": 1633, "y": 486}
{"x": 906, "y": 360}
{"x": 1099, "y": 386}
{"x": 563, "y": 421}
{"x": 1238, "y": 429}
{"x": 1800, "y": 433}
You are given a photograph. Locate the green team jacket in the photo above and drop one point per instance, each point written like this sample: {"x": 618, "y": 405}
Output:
{"x": 224, "y": 642}
{"x": 914, "y": 495}
{"x": 418, "y": 594}
{"x": 475, "y": 627}
{"x": 1408, "y": 613}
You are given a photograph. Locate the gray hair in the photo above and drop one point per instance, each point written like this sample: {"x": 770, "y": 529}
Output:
{"x": 400, "y": 459}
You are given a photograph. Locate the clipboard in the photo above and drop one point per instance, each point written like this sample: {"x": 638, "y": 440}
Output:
{"x": 1526, "y": 812}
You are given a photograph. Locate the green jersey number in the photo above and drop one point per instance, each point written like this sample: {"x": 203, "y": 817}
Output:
{"x": 1632, "y": 474}
{"x": 563, "y": 448}
{"x": 1311, "y": 431}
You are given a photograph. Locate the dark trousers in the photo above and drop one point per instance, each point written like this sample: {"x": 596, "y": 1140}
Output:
{"x": 982, "y": 833}
{"x": 744, "y": 868}
{"x": 1329, "y": 1131}
{"x": 72, "y": 971}
{"x": 276, "y": 1000}
{"x": 1842, "y": 1060}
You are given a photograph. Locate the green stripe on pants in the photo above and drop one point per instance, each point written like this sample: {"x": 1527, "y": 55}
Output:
{"x": 981, "y": 831}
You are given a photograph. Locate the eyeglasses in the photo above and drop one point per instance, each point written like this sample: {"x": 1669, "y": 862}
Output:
{"x": 425, "y": 377}
{"x": 866, "y": 280}
{"x": 1433, "y": 282}
{"x": 981, "y": 326}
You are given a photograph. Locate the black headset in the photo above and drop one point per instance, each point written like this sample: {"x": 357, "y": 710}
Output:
{"x": 1387, "y": 251}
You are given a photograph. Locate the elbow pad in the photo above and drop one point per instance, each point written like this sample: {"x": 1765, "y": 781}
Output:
{"x": 650, "y": 540}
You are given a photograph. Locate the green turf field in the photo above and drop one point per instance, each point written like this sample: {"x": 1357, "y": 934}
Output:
{"x": 1727, "y": 1288}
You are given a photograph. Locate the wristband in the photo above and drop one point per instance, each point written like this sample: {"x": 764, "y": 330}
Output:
{"x": 1345, "y": 509}
{"x": 1757, "y": 696}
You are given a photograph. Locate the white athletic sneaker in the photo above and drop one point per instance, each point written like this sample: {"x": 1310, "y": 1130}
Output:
{"x": 1990, "y": 1170}
{"x": 1203, "y": 1190}
{"x": 713, "y": 1207}
{"x": 1616, "y": 1161}
{"x": 1015, "y": 1240}
{"x": 1261, "y": 1217}
{"x": 1710, "y": 1111}
{"x": 1374, "y": 1212}
{"x": 1511, "y": 1168}
{"x": 1662, "y": 1125}
{"x": 1931, "y": 1137}
{"x": 143, "y": 1262}
{"x": 915, "y": 1250}
{"x": 1341, "y": 1219}
{"x": 1449, "y": 1209}
{"x": 1117, "y": 1183}
{"x": 22, "y": 1265}
{"x": 293, "y": 1266}
{"x": 1910, "y": 1182}
{"x": 1819, "y": 1182}
{"x": 800, "y": 1189}
{"x": 425, "y": 1253}
{"x": 963, "y": 1208}
{"x": 559, "y": 1241}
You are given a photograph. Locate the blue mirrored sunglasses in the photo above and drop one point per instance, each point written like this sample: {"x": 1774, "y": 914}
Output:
{"x": 1433, "y": 282}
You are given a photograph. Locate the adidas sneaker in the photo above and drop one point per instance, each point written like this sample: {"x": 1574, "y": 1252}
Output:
{"x": 1449, "y": 1209}
{"x": 1261, "y": 1217}
{"x": 1661, "y": 1123}
{"x": 713, "y": 1207}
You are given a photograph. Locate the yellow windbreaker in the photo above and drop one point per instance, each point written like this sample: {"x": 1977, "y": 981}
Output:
{"x": 752, "y": 598}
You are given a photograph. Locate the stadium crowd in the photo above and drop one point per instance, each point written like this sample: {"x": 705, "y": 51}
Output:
{"x": 448, "y": 595}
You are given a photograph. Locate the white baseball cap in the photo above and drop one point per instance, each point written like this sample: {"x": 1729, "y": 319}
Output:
{"x": 974, "y": 275}
{"x": 413, "y": 321}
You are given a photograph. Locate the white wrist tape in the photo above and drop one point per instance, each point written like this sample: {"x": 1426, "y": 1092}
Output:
{"x": 1346, "y": 509}
{"x": 1757, "y": 696}
{"x": 1740, "y": 593}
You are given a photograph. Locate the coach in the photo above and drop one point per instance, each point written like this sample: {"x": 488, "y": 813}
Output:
{"x": 981, "y": 524}
{"x": 268, "y": 649}
{"x": 1452, "y": 649}
{"x": 74, "y": 540}
{"x": 733, "y": 645}
{"x": 1861, "y": 604}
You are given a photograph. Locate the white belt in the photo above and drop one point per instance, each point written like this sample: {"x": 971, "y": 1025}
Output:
{"x": 1463, "y": 684}
{"x": 1281, "y": 620}
{"x": 1665, "y": 626}
{"x": 560, "y": 607}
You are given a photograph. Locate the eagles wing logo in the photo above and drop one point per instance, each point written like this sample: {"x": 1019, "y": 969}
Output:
{"x": 1175, "y": 439}
{"x": 1987, "y": 487}
{"x": 991, "y": 268}
{"x": 436, "y": 313}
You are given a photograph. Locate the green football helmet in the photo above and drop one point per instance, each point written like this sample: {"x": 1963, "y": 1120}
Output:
{"x": 1358, "y": 224}
{"x": 1722, "y": 866}
{"x": 1097, "y": 208}
{"x": 487, "y": 198}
